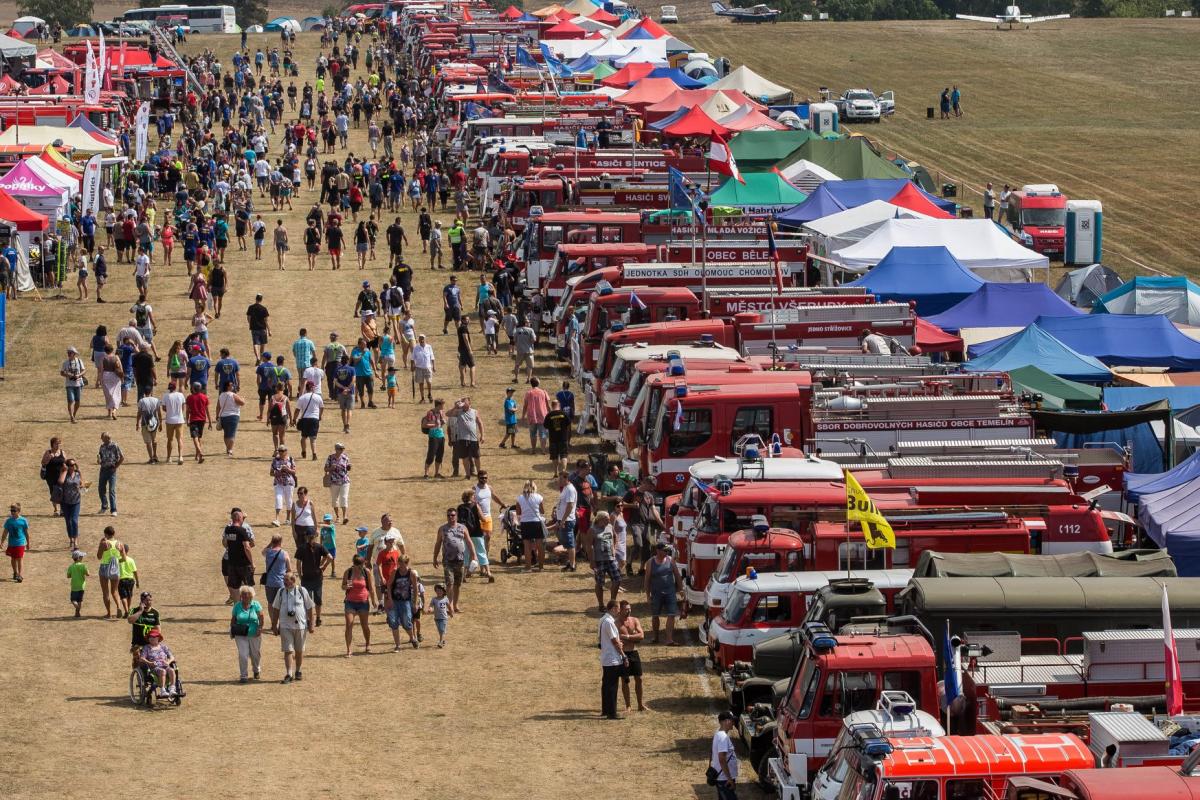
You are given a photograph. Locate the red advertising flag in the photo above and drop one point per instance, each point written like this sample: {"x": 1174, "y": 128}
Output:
{"x": 1171, "y": 677}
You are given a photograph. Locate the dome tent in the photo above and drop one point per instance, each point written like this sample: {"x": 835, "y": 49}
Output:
{"x": 1084, "y": 286}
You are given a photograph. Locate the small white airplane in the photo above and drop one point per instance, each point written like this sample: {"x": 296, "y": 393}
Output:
{"x": 1012, "y": 16}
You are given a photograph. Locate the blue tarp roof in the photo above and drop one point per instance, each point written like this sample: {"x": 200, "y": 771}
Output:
{"x": 821, "y": 203}
{"x": 929, "y": 275}
{"x": 1034, "y": 346}
{"x": 1139, "y": 341}
{"x": 677, "y": 75}
{"x": 852, "y": 194}
{"x": 1138, "y": 484}
{"x": 584, "y": 63}
{"x": 1004, "y": 305}
{"x": 527, "y": 17}
{"x": 639, "y": 33}
{"x": 1171, "y": 518}
{"x": 671, "y": 120}
{"x": 1120, "y": 398}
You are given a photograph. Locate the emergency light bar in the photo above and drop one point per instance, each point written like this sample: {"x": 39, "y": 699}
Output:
{"x": 818, "y": 637}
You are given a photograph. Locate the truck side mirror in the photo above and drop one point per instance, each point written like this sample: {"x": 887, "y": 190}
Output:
{"x": 674, "y": 509}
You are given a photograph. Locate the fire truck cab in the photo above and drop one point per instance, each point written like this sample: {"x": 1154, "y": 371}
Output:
{"x": 630, "y": 305}
{"x": 1160, "y": 783}
{"x": 1038, "y": 213}
{"x": 760, "y": 607}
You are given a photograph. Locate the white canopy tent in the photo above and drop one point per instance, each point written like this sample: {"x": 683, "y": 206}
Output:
{"x": 835, "y": 231}
{"x": 720, "y": 105}
{"x": 806, "y": 175}
{"x": 754, "y": 86}
{"x": 648, "y": 51}
{"x": 591, "y": 25}
{"x": 977, "y": 244}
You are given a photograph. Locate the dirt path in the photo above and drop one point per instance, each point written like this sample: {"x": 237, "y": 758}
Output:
{"x": 508, "y": 710}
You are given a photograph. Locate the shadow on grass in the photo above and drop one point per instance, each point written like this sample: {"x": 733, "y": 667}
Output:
{"x": 685, "y": 704}
{"x": 566, "y": 714}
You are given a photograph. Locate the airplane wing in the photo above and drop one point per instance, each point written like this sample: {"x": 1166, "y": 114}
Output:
{"x": 970, "y": 18}
{"x": 720, "y": 9}
{"x": 1028, "y": 20}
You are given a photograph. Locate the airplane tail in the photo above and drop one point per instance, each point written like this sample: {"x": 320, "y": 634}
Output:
{"x": 719, "y": 8}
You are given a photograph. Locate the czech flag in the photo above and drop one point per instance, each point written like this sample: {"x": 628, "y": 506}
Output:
{"x": 636, "y": 301}
{"x": 720, "y": 159}
{"x": 707, "y": 488}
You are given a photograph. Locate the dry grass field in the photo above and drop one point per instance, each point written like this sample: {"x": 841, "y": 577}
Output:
{"x": 509, "y": 710}
{"x": 1106, "y": 109}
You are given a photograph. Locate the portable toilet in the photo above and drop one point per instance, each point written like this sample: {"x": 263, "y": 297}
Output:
{"x": 1084, "y": 232}
{"x": 822, "y": 117}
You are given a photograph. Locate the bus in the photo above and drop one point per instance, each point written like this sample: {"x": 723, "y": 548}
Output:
{"x": 201, "y": 19}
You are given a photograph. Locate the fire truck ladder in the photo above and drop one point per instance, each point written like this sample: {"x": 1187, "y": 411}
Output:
{"x": 159, "y": 37}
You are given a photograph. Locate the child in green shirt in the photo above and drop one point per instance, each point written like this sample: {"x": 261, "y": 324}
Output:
{"x": 127, "y": 581}
{"x": 78, "y": 573}
{"x": 329, "y": 542}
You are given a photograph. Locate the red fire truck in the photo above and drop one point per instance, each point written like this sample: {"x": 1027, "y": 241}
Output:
{"x": 1160, "y": 783}
{"x": 629, "y": 306}
{"x": 1038, "y": 213}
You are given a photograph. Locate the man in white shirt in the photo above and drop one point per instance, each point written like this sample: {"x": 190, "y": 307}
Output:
{"x": 423, "y": 367}
{"x": 724, "y": 758}
{"x": 294, "y": 604}
{"x": 874, "y": 344}
{"x": 564, "y": 519}
{"x": 173, "y": 415}
{"x": 612, "y": 661}
{"x": 141, "y": 272}
{"x": 386, "y": 530}
{"x": 316, "y": 376}
{"x": 306, "y": 416}
{"x": 149, "y": 420}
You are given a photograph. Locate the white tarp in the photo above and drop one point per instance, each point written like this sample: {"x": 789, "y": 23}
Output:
{"x": 806, "y": 175}
{"x": 978, "y": 245}
{"x": 648, "y": 51}
{"x": 720, "y": 105}
{"x": 844, "y": 228}
{"x": 77, "y": 138}
{"x": 753, "y": 85}
{"x": 590, "y": 25}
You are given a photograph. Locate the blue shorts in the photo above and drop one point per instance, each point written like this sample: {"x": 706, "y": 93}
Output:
{"x": 661, "y": 604}
{"x": 566, "y": 534}
{"x": 400, "y": 615}
{"x": 73, "y": 393}
{"x": 441, "y": 626}
{"x": 77, "y": 596}
{"x": 229, "y": 426}
{"x": 357, "y": 608}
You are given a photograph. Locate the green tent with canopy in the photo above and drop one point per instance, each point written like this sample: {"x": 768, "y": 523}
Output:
{"x": 850, "y": 159}
{"x": 1057, "y": 393}
{"x": 762, "y": 150}
{"x": 602, "y": 71}
{"x": 762, "y": 192}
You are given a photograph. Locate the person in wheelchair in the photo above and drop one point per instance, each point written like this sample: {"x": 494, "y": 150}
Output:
{"x": 157, "y": 656}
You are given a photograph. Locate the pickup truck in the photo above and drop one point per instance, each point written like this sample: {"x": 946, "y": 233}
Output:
{"x": 859, "y": 105}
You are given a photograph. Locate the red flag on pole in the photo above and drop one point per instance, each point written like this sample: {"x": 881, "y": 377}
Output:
{"x": 1171, "y": 677}
{"x": 773, "y": 252}
{"x": 720, "y": 159}
{"x": 466, "y": 15}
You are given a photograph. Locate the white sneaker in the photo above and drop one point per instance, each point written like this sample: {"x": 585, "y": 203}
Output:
{"x": 274, "y": 523}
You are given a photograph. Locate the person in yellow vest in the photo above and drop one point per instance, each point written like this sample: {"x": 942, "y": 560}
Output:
{"x": 458, "y": 241}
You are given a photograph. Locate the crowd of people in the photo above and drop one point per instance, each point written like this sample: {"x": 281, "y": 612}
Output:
{"x": 248, "y": 139}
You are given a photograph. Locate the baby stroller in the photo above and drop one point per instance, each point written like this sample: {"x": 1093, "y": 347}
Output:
{"x": 515, "y": 546}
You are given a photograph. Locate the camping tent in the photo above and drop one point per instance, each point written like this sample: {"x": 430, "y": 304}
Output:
{"x": 844, "y": 228}
{"x": 1034, "y": 346}
{"x": 929, "y": 275}
{"x": 1149, "y": 341}
{"x": 754, "y": 85}
{"x": 807, "y": 176}
{"x": 312, "y": 24}
{"x": 1177, "y": 298}
{"x": 282, "y": 23}
{"x": 762, "y": 150}
{"x": 848, "y": 158}
{"x": 1004, "y": 305}
{"x": 1139, "y": 484}
{"x": 1056, "y": 393}
{"x": 978, "y": 243}
{"x": 23, "y": 26}
{"x": 749, "y": 118}
{"x": 762, "y": 192}
{"x": 696, "y": 123}
{"x": 1084, "y": 286}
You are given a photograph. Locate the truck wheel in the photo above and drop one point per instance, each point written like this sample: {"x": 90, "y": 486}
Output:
{"x": 765, "y": 781}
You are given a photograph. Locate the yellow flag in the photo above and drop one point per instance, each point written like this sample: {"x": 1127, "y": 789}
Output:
{"x": 861, "y": 508}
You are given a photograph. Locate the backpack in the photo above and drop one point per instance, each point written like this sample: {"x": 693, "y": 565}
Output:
{"x": 276, "y": 415}
{"x": 140, "y": 315}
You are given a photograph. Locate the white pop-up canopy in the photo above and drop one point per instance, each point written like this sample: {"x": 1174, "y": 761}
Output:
{"x": 840, "y": 230}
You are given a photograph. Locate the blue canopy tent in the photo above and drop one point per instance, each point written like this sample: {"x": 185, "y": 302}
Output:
{"x": 678, "y": 76}
{"x": 527, "y": 17}
{"x": 821, "y": 203}
{"x": 1171, "y": 518}
{"x": 1004, "y": 305}
{"x": 1118, "y": 339}
{"x": 639, "y": 33}
{"x": 929, "y": 275}
{"x": 855, "y": 193}
{"x": 1140, "y": 484}
{"x": 667, "y": 122}
{"x": 584, "y": 63}
{"x": 1034, "y": 346}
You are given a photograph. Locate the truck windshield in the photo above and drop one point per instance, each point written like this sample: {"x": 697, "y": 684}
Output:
{"x": 737, "y": 606}
{"x": 1043, "y": 217}
{"x": 635, "y": 385}
{"x": 861, "y": 96}
{"x": 859, "y": 785}
{"x": 726, "y": 566}
{"x": 621, "y": 368}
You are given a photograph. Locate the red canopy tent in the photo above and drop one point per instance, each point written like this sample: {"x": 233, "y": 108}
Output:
{"x": 510, "y": 13}
{"x": 19, "y": 215}
{"x": 57, "y": 60}
{"x": 564, "y": 30}
{"x": 650, "y": 26}
{"x": 755, "y": 119}
{"x": 675, "y": 101}
{"x": 648, "y": 91}
{"x": 562, "y": 15}
{"x": 627, "y": 75}
{"x": 910, "y": 197}
{"x": 695, "y": 123}
{"x": 600, "y": 15}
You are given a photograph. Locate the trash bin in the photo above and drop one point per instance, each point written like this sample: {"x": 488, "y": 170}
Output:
{"x": 929, "y": 112}
{"x": 966, "y": 212}
{"x": 949, "y": 190}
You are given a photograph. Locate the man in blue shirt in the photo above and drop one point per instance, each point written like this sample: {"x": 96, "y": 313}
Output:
{"x": 87, "y": 224}
{"x": 343, "y": 389}
{"x": 362, "y": 357}
{"x": 198, "y": 367}
{"x": 264, "y": 375}
{"x": 227, "y": 372}
{"x": 303, "y": 350}
{"x": 510, "y": 419}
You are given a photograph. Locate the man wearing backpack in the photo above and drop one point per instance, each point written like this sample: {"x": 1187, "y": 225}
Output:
{"x": 143, "y": 317}
{"x": 367, "y": 300}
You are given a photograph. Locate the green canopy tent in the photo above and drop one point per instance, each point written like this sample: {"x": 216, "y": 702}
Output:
{"x": 850, "y": 159}
{"x": 763, "y": 192}
{"x": 1058, "y": 394}
{"x": 758, "y": 151}
{"x": 601, "y": 71}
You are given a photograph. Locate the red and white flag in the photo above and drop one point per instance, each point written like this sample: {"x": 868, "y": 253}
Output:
{"x": 1171, "y": 678}
{"x": 720, "y": 159}
{"x": 467, "y": 16}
